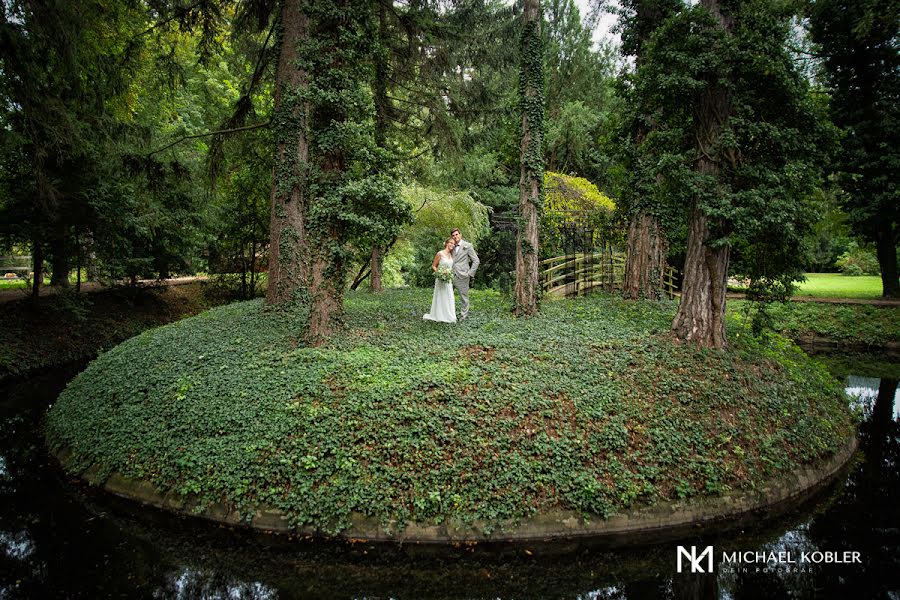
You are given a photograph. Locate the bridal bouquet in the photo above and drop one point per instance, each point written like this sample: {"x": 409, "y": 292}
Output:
{"x": 444, "y": 274}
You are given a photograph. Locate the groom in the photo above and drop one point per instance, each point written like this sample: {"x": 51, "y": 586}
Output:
{"x": 465, "y": 263}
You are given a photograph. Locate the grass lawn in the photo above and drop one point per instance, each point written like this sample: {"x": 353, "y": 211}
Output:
{"x": 836, "y": 285}
{"x": 589, "y": 407}
{"x": 16, "y": 284}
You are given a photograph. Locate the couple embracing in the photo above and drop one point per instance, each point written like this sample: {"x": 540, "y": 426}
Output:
{"x": 453, "y": 267}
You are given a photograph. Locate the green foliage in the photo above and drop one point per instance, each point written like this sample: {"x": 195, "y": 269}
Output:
{"x": 580, "y": 98}
{"x": 857, "y": 261}
{"x": 851, "y": 323}
{"x": 95, "y": 190}
{"x": 239, "y": 219}
{"x": 66, "y": 70}
{"x": 640, "y": 186}
{"x": 829, "y": 236}
{"x": 147, "y": 219}
{"x": 437, "y": 213}
{"x": 563, "y": 193}
{"x": 858, "y": 43}
{"x": 475, "y": 133}
{"x": 770, "y": 138}
{"x": 466, "y": 91}
{"x": 406, "y": 421}
{"x": 571, "y": 138}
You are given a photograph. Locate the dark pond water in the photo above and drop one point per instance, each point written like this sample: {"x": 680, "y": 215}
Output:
{"x": 59, "y": 539}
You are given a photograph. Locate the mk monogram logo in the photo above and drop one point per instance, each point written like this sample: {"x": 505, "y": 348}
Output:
{"x": 696, "y": 559}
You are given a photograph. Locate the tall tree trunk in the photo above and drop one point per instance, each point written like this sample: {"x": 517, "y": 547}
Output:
{"x": 647, "y": 245}
{"x": 243, "y": 272}
{"x": 77, "y": 262}
{"x": 37, "y": 260}
{"x": 645, "y": 261}
{"x": 288, "y": 271}
{"x": 375, "y": 276}
{"x": 701, "y": 313}
{"x": 302, "y": 267}
{"x": 253, "y": 266}
{"x": 531, "y": 86}
{"x": 326, "y": 290}
{"x": 886, "y": 248}
{"x": 59, "y": 260}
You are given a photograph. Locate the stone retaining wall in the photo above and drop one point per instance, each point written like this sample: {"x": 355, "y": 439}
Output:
{"x": 657, "y": 523}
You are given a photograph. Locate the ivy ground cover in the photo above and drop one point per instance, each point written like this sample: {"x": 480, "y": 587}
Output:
{"x": 590, "y": 407}
{"x": 875, "y": 326}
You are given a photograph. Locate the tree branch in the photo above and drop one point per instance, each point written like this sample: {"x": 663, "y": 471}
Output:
{"x": 200, "y": 135}
{"x": 796, "y": 50}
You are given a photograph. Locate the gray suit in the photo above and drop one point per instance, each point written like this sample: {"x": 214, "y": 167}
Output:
{"x": 465, "y": 263}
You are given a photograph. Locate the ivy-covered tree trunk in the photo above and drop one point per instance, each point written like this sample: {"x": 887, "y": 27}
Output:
{"x": 645, "y": 261}
{"x": 327, "y": 194}
{"x": 326, "y": 286}
{"x": 531, "y": 95}
{"x": 300, "y": 269}
{"x": 289, "y": 254}
{"x": 701, "y": 312}
{"x": 382, "y": 109}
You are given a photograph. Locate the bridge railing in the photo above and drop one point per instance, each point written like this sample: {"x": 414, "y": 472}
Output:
{"x": 15, "y": 266}
{"x": 576, "y": 274}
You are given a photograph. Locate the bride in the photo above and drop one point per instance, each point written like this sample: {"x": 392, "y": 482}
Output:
{"x": 443, "y": 304}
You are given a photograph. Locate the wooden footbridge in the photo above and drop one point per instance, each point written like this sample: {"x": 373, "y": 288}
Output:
{"x": 577, "y": 274}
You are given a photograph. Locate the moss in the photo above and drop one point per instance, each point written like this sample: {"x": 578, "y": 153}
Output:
{"x": 589, "y": 406}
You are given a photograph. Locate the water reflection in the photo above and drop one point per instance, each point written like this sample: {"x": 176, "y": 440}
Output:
{"x": 864, "y": 391}
{"x": 864, "y": 518}
{"x": 18, "y": 546}
{"x": 610, "y": 593}
{"x": 59, "y": 539}
{"x": 190, "y": 584}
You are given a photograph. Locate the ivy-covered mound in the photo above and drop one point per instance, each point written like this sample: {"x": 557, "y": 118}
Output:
{"x": 591, "y": 407}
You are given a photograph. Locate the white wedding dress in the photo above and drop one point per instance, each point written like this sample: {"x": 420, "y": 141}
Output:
{"x": 443, "y": 304}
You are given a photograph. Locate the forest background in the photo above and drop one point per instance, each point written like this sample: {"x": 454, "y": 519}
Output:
{"x": 137, "y": 137}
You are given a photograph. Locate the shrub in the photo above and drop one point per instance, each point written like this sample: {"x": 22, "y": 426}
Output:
{"x": 858, "y": 261}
